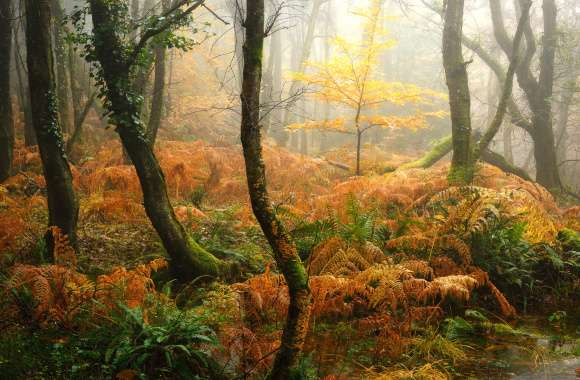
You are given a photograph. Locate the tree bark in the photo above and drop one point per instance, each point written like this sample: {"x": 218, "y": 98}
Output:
{"x": 6, "y": 122}
{"x": 188, "y": 259}
{"x": 285, "y": 252}
{"x": 62, "y": 203}
{"x": 459, "y": 97}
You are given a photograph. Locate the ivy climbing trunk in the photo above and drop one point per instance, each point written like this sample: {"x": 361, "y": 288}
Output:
{"x": 6, "y": 123}
{"x": 188, "y": 259}
{"x": 285, "y": 252}
{"x": 459, "y": 97}
{"x": 63, "y": 205}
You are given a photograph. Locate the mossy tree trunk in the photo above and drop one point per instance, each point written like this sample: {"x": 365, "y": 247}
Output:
{"x": 62, "y": 203}
{"x": 188, "y": 259}
{"x": 285, "y": 252}
{"x": 459, "y": 98}
{"x": 6, "y": 122}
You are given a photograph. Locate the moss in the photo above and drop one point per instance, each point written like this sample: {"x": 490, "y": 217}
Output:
{"x": 460, "y": 174}
{"x": 440, "y": 149}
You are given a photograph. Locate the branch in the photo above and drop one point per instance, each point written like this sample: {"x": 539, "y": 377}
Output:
{"x": 215, "y": 14}
{"x": 526, "y": 80}
{"x": 508, "y": 85}
{"x": 565, "y": 161}
{"x": 150, "y": 33}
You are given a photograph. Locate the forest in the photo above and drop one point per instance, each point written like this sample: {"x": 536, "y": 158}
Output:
{"x": 289, "y": 189}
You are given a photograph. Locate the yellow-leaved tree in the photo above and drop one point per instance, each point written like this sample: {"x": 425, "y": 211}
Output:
{"x": 349, "y": 80}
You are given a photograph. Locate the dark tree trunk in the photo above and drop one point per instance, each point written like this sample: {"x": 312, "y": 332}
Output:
{"x": 6, "y": 122}
{"x": 285, "y": 252}
{"x": 62, "y": 204}
{"x": 545, "y": 150}
{"x": 459, "y": 97}
{"x": 188, "y": 259}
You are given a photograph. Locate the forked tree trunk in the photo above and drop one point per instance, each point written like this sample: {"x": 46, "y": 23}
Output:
{"x": 285, "y": 252}
{"x": 63, "y": 206}
{"x": 188, "y": 259}
{"x": 538, "y": 91}
{"x": 459, "y": 97}
{"x": 6, "y": 122}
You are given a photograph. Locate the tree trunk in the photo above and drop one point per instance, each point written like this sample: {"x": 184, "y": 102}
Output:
{"x": 157, "y": 99}
{"x": 62, "y": 204}
{"x": 545, "y": 150}
{"x": 459, "y": 97}
{"x": 285, "y": 252}
{"x": 23, "y": 90}
{"x": 188, "y": 259}
{"x": 62, "y": 75}
{"x": 79, "y": 121}
{"x": 358, "y": 150}
{"x": 6, "y": 122}
{"x": 507, "y": 143}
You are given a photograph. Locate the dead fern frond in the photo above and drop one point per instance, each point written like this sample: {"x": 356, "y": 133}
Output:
{"x": 63, "y": 253}
{"x": 458, "y": 287}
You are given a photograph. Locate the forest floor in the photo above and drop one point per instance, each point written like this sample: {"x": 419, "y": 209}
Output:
{"x": 411, "y": 278}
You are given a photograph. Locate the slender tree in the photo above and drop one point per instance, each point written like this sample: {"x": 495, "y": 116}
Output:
{"x": 285, "y": 252}
{"x": 459, "y": 97}
{"x": 6, "y": 123}
{"x": 62, "y": 203}
{"x": 117, "y": 60}
{"x": 157, "y": 101}
{"x": 350, "y": 81}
